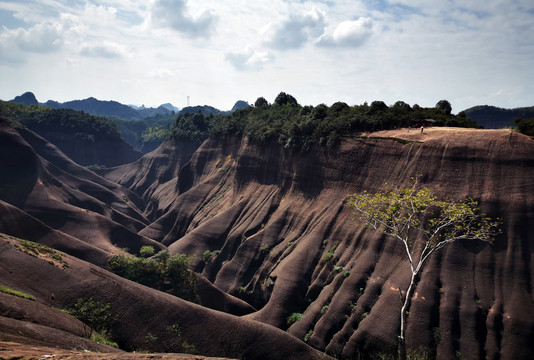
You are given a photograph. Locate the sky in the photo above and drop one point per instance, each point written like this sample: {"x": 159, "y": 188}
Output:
{"x": 469, "y": 52}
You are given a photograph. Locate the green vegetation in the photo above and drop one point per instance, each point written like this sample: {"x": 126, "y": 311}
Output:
{"x": 20, "y": 294}
{"x": 146, "y": 251}
{"x": 299, "y": 127}
{"x": 208, "y": 255}
{"x": 43, "y": 119}
{"x": 138, "y": 133}
{"x": 308, "y": 336}
{"x": 327, "y": 256}
{"x": 95, "y": 315}
{"x": 193, "y": 126}
{"x": 525, "y": 126}
{"x": 409, "y": 212}
{"x": 103, "y": 338}
{"x": 40, "y": 250}
{"x": 162, "y": 272}
{"x": 293, "y": 318}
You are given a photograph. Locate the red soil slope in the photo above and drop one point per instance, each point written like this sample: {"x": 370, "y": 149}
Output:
{"x": 269, "y": 215}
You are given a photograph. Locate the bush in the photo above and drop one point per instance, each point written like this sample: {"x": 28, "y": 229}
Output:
{"x": 95, "y": 315}
{"x": 146, "y": 251}
{"x": 293, "y": 318}
{"x": 525, "y": 126}
{"x": 162, "y": 272}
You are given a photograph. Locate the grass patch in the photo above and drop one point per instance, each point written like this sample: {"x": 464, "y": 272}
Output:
{"x": 103, "y": 338}
{"x": 41, "y": 251}
{"x": 20, "y": 294}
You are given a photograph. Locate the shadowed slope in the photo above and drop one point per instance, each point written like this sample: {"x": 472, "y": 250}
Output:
{"x": 58, "y": 195}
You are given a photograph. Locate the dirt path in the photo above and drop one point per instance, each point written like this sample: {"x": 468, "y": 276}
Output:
{"x": 12, "y": 350}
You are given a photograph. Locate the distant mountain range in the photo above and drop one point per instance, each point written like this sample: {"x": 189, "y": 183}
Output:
{"x": 100, "y": 107}
{"x": 94, "y": 106}
{"x": 491, "y": 117}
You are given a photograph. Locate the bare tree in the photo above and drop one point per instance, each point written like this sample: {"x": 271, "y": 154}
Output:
{"x": 410, "y": 213}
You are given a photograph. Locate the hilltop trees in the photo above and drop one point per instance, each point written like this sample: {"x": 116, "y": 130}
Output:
{"x": 285, "y": 99}
{"x": 298, "y": 127}
{"x": 423, "y": 224}
{"x": 260, "y": 102}
{"x": 444, "y": 106}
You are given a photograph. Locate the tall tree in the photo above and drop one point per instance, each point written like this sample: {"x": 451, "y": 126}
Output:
{"x": 445, "y": 106}
{"x": 410, "y": 213}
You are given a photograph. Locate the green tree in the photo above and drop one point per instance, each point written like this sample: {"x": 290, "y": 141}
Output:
{"x": 283, "y": 99}
{"x": 95, "y": 315}
{"x": 260, "y": 102}
{"x": 407, "y": 213}
{"x": 146, "y": 251}
{"x": 182, "y": 280}
{"x": 444, "y": 106}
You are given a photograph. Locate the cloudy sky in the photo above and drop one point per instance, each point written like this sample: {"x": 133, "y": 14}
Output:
{"x": 470, "y": 52}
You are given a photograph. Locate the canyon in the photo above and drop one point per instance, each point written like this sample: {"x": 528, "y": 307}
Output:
{"x": 267, "y": 215}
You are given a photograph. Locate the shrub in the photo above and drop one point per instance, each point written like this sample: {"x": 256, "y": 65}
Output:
{"x": 293, "y": 318}
{"x": 162, "y": 272}
{"x": 146, "y": 251}
{"x": 95, "y": 315}
{"x": 206, "y": 256}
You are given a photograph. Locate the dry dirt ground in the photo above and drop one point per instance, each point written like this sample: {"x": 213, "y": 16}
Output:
{"x": 17, "y": 351}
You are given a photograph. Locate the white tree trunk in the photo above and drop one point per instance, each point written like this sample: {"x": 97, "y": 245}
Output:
{"x": 404, "y": 308}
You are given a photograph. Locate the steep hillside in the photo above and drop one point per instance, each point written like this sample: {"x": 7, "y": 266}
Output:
{"x": 45, "y": 195}
{"x": 268, "y": 215}
{"x": 47, "y": 198}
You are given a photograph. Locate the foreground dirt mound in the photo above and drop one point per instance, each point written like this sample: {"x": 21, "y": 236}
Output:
{"x": 267, "y": 216}
{"x": 145, "y": 319}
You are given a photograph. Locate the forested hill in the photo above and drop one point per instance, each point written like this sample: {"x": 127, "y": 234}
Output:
{"x": 491, "y": 117}
{"x": 86, "y": 139}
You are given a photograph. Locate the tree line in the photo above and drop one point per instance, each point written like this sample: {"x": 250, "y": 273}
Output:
{"x": 299, "y": 127}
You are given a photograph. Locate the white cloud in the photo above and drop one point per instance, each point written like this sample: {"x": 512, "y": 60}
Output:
{"x": 46, "y": 37}
{"x": 175, "y": 14}
{"x": 160, "y": 73}
{"x": 296, "y": 30}
{"x": 105, "y": 49}
{"x": 350, "y": 33}
{"x": 415, "y": 50}
{"x": 249, "y": 59}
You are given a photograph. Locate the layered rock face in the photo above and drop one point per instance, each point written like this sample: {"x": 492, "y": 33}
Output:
{"x": 268, "y": 225}
{"x": 267, "y": 217}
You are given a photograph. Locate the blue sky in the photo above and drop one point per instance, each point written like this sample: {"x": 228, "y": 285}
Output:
{"x": 220, "y": 51}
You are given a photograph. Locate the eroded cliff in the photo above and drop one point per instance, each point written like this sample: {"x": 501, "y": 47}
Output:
{"x": 268, "y": 215}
